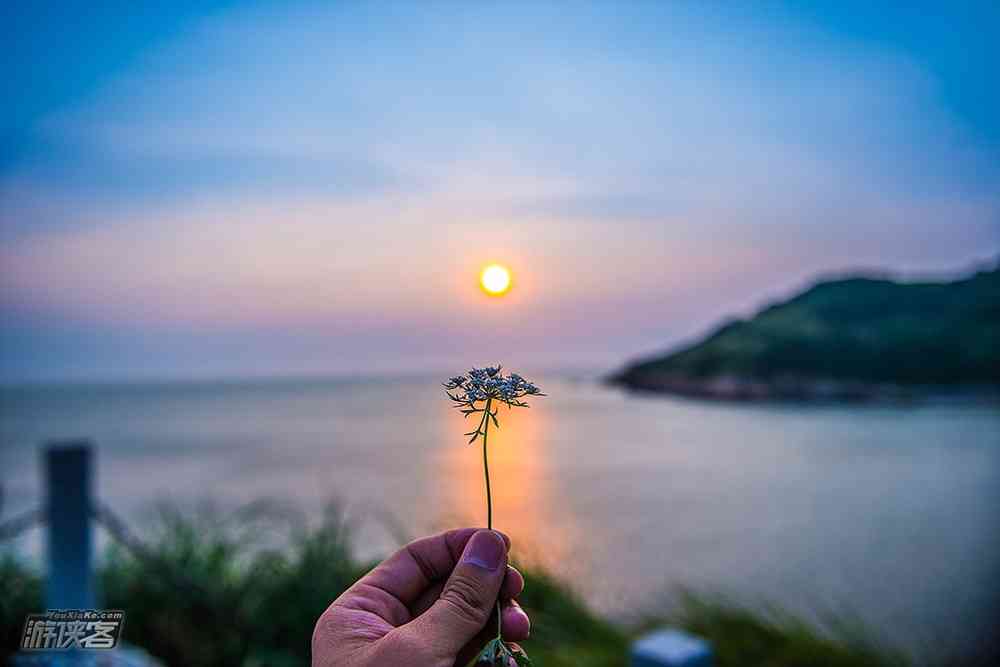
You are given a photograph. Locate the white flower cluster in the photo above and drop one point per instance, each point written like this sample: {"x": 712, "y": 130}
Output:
{"x": 481, "y": 384}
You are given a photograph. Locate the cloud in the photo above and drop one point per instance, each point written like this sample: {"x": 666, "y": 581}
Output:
{"x": 346, "y": 171}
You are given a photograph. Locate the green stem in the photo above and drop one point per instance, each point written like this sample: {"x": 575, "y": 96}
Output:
{"x": 486, "y": 469}
{"x": 489, "y": 495}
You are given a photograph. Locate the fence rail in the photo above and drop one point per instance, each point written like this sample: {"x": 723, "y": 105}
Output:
{"x": 71, "y": 508}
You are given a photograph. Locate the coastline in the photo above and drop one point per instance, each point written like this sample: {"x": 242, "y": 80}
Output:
{"x": 800, "y": 389}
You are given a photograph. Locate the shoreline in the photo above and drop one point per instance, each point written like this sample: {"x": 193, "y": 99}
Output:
{"x": 793, "y": 389}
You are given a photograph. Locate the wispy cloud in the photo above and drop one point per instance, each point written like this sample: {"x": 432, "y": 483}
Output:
{"x": 339, "y": 174}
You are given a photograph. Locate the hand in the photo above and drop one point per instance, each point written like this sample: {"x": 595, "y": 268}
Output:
{"x": 427, "y": 605}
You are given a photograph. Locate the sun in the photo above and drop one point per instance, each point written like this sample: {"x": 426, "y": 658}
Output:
{"x": 495, "y": 280}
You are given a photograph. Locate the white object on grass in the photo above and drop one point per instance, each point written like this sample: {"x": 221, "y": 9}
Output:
{"x": 671, "y": 648}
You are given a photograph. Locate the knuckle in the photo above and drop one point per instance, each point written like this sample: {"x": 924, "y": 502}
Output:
{"x": 467, "y": 600}
{"x": 402, "y": 640}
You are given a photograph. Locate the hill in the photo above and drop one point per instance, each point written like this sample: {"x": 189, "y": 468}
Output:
{"x": 850, "y": 338}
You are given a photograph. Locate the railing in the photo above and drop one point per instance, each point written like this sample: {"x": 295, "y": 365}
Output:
{"x": 71, "y": 508}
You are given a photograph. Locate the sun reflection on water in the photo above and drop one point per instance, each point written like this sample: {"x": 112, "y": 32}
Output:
{"x": 522, "y": 481}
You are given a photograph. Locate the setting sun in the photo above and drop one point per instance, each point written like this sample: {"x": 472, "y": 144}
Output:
{"x": 495, "y": 279}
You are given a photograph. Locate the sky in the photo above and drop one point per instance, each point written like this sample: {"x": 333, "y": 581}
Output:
{"x": 262, "y": 189}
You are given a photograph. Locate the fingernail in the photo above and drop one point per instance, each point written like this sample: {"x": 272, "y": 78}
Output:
{"x": 485, "y": 549}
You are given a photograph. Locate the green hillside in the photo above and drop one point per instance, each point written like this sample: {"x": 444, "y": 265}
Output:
{"x": 843, "y": 337}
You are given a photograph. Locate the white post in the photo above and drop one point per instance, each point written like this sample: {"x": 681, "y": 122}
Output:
{"x": 671, "y": 648}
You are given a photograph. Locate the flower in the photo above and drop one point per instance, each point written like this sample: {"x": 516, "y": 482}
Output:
{"x": 475, "y": 393}
{"x": 489, "y": 384}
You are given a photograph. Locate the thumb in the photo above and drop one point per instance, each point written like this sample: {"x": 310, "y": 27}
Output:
{"x": 469, "y": 596}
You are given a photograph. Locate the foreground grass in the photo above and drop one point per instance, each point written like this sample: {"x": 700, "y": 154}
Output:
{"x": 205, "y": 591}
{"x": 770, "y": 636}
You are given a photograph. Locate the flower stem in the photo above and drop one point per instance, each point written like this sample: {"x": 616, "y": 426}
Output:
{"x": 489, "y": 496}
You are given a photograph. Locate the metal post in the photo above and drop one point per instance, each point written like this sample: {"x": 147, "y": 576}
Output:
{"x": 69, "y": 503}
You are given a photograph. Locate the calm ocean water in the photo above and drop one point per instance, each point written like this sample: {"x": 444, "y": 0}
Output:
{"x": 890, "y": 513}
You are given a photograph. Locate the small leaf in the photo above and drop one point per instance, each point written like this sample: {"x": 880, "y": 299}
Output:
{"x": 489, "y": 654}
{"x": 520, "y": 657}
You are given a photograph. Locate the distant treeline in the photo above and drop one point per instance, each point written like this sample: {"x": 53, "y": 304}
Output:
{"x": 846, "y": 336}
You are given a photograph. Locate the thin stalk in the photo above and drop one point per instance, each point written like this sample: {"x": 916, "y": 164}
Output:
{"x": 486, "y": 469}
{"x": 489, "y": 495}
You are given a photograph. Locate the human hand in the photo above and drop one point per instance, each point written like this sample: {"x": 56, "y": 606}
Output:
{"x": 427, "y": 605}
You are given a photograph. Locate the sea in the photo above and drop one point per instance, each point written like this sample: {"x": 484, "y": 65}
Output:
{"x": 885, "y": 514}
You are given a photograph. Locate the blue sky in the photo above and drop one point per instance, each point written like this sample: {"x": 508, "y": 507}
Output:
{"x": 219, "y": 189}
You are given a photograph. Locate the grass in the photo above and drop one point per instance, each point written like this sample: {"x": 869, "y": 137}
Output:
{"x": 770, "y": 636}
{"x": 214, "y": 590}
